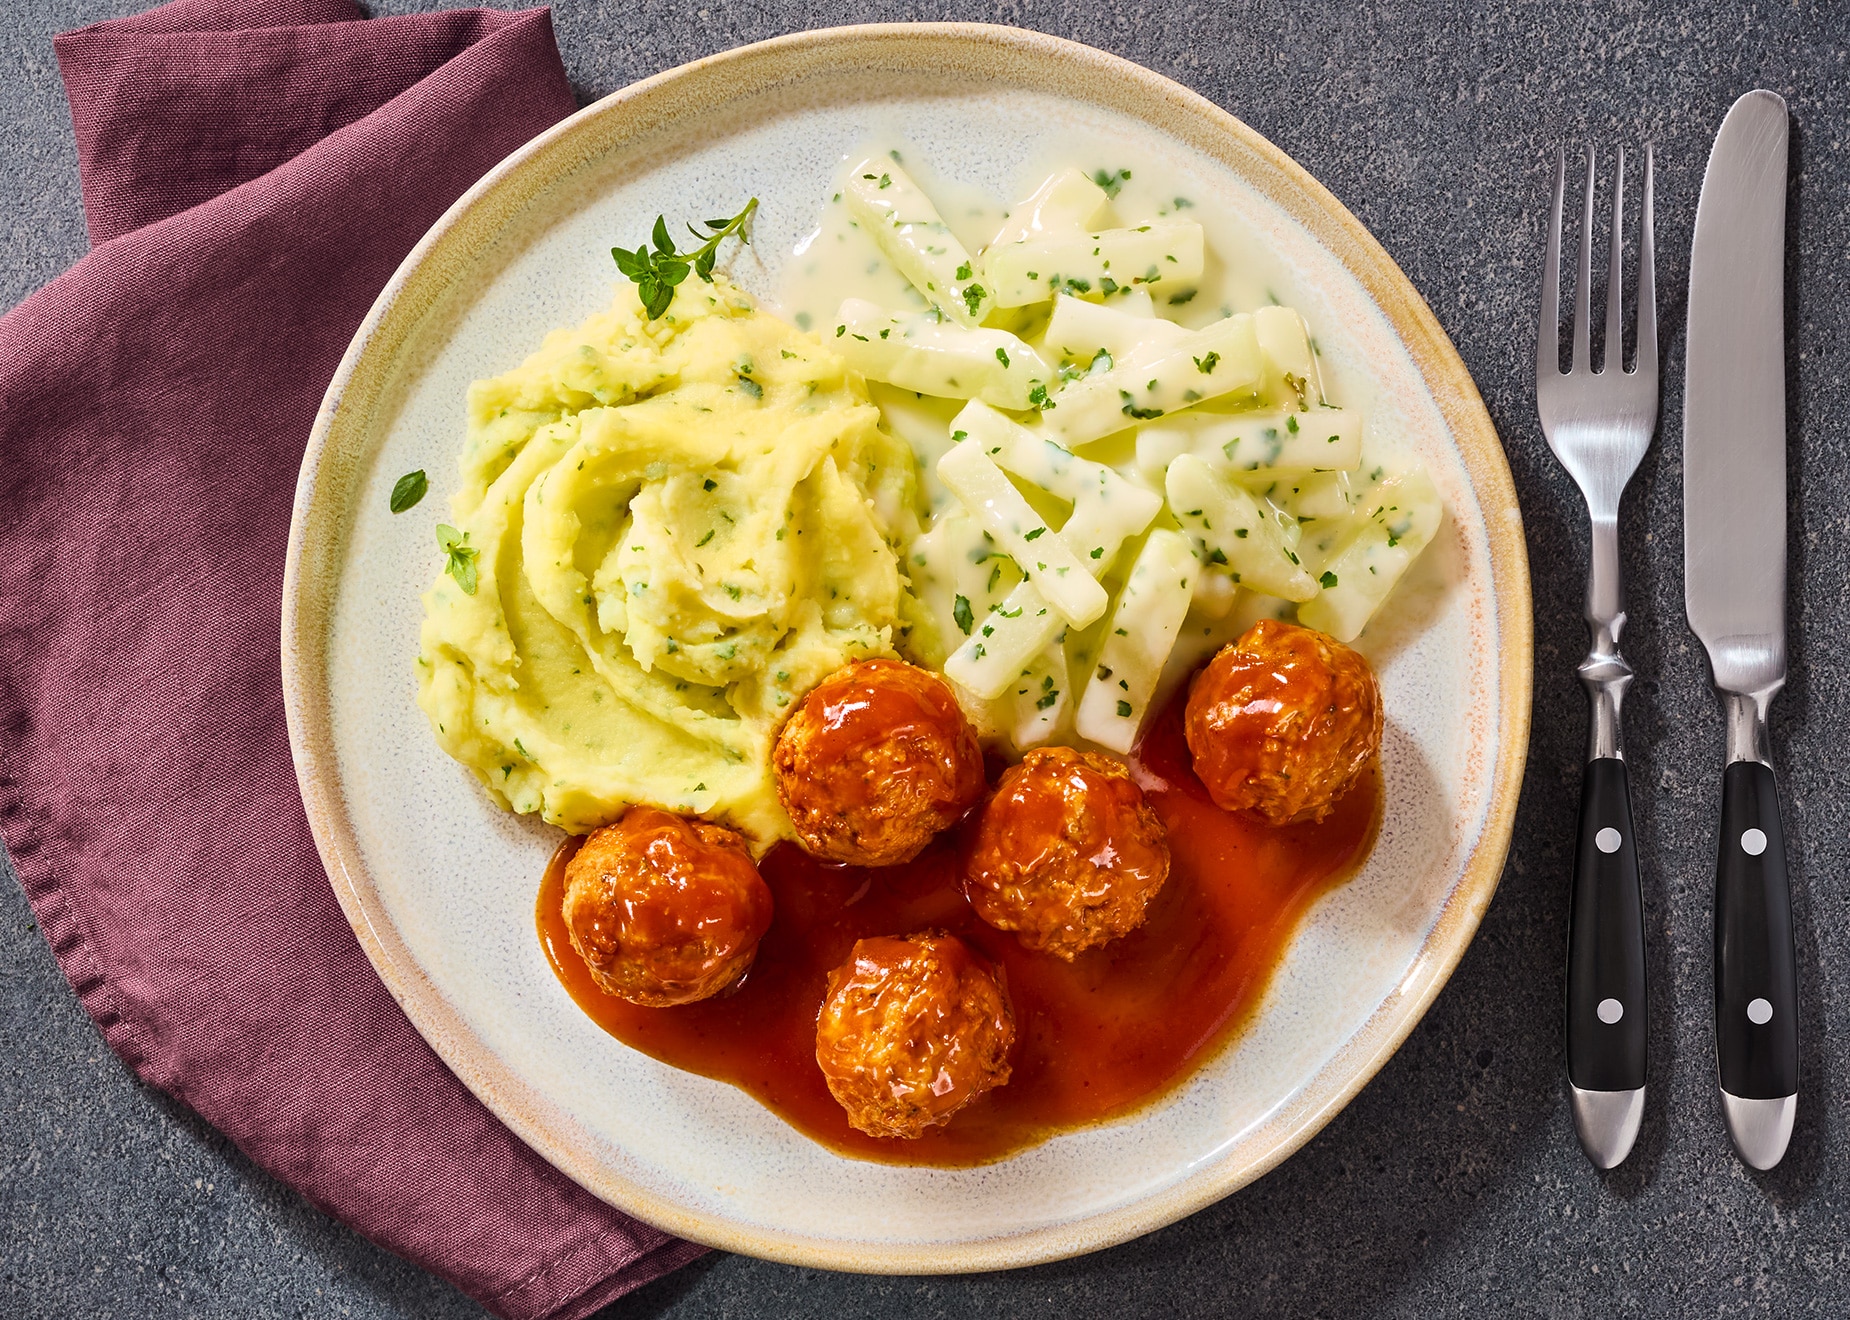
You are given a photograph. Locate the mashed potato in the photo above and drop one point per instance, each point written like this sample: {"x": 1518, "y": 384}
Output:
{"x": 682, "y": 526}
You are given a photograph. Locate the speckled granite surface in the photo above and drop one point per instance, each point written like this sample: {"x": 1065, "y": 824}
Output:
{"x": 1452, "y": 1186}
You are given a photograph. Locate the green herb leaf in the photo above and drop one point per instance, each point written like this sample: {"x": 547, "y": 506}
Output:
{"x": 960, "y": 611}
{"x": 1038, "y": 397}
{"x": 1124, "y": 710}
{"x": 408, "y": 490}
{"x": 1002, "y": 355}
{"x": 459, "y": 556}
{"x": 1207, "y": 364}
{"x": 1327, "y": 581}
{"x": 1110, "y": 180}
{"x": 973, "y": 299}
{"x": 1130, "y": 408}
{"x": 655, "y": 273}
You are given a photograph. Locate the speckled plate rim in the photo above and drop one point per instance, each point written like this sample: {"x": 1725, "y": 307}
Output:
{"x": 359, "y": 393}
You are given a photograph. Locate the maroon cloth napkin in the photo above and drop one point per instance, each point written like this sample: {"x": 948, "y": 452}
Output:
{"x": 253, "y": 171}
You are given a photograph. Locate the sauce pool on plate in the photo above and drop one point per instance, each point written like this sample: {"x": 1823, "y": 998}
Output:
{"x": 1096, "y": 1037}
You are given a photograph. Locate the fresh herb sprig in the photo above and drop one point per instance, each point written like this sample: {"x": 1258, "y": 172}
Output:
{"x": 459, "y": 556}
{"x": 655, "y": 273}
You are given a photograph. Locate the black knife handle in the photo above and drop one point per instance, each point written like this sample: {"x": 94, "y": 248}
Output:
{"x": 1756, "y": 981}
{"x": 1605, "y": 943}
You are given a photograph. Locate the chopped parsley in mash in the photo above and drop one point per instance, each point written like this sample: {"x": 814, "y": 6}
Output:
{"x": 681, "y": 525}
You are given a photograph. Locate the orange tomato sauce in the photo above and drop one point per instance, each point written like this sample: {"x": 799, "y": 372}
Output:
{"x": 1095, "y": 1038}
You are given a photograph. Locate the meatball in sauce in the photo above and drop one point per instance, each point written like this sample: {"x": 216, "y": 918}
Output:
{"x": 1067, "y": 853}
{"x": 663, "y": 909}
{"x": 876, "y": 760}
{"x": 912, "y": 1030}
{"x": 1282, "y": 722}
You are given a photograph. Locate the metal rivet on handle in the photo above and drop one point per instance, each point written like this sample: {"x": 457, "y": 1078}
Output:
{"x": 1759, "y": 1012}
{"x": 1611, "y": 1010}
{"x": 1753, "y": 843}
{"x": 1607, "y": 840}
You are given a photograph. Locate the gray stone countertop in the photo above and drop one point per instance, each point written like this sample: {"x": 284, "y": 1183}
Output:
{"x": 1452, "y": 1184}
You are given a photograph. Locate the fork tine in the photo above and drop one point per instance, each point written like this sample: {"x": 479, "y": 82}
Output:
{"x": 1647, "y": 277}
{"x": 1583, "y": 283}
{"x": 1613, "y": 358}
{"x": 1548, "y": 333}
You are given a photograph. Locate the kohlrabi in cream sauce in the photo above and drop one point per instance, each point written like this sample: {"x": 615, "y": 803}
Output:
{"x": 1130, "y": 447}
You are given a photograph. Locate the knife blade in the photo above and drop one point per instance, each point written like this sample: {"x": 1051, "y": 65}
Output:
{"x": 1734, "y": 590}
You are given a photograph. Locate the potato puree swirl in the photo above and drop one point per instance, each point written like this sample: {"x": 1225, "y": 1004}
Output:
{"x": 682, "y": 526}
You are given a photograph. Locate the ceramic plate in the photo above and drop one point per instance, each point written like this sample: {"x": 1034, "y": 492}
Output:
{"x": 439, "y": 883}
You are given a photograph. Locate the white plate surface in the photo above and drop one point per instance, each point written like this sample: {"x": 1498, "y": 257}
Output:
{"x": 440, "y": 882}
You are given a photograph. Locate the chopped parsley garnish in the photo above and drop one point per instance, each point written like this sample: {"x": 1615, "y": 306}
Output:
{"x": 1131, "y": 409}
{"x": 960, "y": 611}
{"x": 1111, "y": 181}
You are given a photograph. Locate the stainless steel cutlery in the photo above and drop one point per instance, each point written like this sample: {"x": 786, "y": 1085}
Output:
{"x": 1599, "y": 424}
{"x": 1734, "y": 591}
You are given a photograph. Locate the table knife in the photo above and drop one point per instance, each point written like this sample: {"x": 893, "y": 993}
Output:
{"x": 1734, "y": 591}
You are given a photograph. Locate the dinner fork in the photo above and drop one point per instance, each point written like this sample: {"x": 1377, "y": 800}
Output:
{"x": 1599, "y": 424}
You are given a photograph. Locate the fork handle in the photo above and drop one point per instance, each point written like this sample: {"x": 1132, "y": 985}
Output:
{"x": 1606, "y": 1028}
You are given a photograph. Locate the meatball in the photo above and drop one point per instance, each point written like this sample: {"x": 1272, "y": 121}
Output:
{"x": 876, "y": 760}
{"x": 1282, "y": 722}
{"x": 663, "y": 909}
{"x": 1067, "y": 853}
{"x": 912, "y": 1030}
